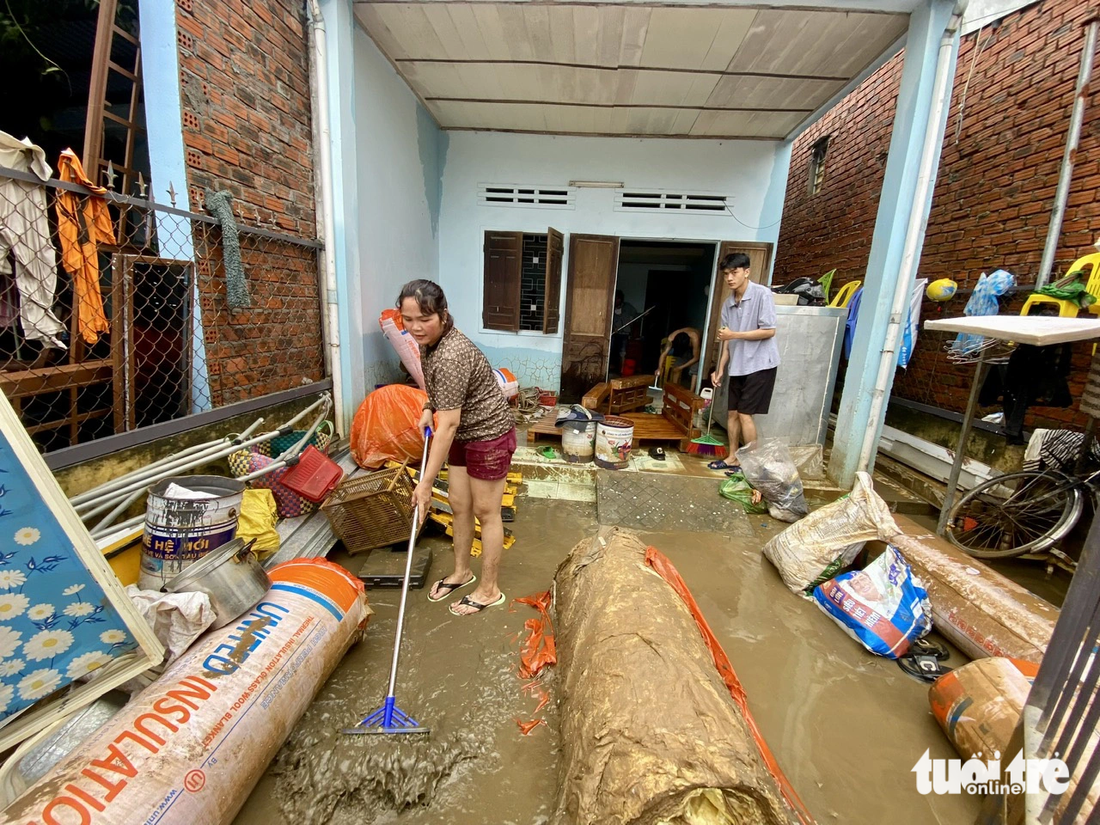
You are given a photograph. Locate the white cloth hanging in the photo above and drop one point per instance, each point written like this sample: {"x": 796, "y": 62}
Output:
{"x": 25, "y": 230}
{"x": 912, "y": 323}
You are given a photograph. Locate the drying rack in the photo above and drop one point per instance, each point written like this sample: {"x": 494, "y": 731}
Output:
{"x": 999, "y": 331}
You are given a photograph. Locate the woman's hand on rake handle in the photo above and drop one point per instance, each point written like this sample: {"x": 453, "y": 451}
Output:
{"x": 422, "y": 499}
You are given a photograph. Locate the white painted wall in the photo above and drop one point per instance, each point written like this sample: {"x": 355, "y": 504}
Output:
{"x": 398, "y": 148}
{"x": 752, "y": 173}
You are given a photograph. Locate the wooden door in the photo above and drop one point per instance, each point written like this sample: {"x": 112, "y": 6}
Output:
{"x": 555, "y": 250}
{"x": 503, "y": 262}
{"x": 760, "y": 255}
{"x": 589, "y": 304}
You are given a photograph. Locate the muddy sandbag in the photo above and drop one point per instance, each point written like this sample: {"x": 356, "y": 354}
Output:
{"x": 651, "y": 732}
{"x": 974, "y": 607}
{"x": 829, "y": 539}
{"x": 189, "y": 748}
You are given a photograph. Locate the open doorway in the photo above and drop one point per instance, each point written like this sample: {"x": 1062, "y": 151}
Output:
{"x": 666, "y": 284}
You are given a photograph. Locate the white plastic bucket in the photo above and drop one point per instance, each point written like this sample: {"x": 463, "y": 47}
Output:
{"x": 614, "y": 437}
{"x": 578, "y": 442}
{"x": 179, "y": 532}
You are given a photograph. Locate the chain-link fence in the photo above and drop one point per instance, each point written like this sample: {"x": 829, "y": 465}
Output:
{"x": 117, "y": 313}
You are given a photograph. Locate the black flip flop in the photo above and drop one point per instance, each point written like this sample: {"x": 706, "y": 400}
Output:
{"x": 657, "y": 453}
{"x": 477, "y": 606}
{"x": 721, "y": 464}
{"x": 450, "y": 587}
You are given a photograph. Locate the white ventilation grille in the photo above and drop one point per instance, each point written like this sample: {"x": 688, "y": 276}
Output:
{"x": 631, "y": 200}
{"x": 514, "y": 194}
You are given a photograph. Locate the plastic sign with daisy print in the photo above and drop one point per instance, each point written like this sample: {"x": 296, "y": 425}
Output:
{"x": 68, "y": 632}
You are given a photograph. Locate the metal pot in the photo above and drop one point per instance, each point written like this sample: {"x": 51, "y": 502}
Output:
{"x": 231, "y": 576}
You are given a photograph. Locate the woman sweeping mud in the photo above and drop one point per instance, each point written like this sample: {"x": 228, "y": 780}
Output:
{"x": 475, "y": 434}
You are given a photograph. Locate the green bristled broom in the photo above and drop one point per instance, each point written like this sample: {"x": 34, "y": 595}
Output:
{"x": 707, "y": 444}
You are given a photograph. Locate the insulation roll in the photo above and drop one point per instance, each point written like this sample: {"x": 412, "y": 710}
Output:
{"x": 190, "y": 747}
{"x": 654, "y": 727}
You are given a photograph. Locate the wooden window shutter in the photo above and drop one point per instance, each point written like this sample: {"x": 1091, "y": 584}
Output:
{"x": 503, "y": 261}
{"x": 555, "y": 248}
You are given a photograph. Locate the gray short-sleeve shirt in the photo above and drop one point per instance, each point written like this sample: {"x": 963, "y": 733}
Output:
{"x": 756, "y": 310}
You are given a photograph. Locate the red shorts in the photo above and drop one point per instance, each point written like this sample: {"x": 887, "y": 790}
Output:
{"x": 484, "y": 460}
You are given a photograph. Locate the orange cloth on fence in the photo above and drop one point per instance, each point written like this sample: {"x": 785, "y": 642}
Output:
{"x": 82, "y": 224}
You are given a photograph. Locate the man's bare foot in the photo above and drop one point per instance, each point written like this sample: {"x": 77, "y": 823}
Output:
{"x": 477, "y": 601}
{"x": 447, "y": 585}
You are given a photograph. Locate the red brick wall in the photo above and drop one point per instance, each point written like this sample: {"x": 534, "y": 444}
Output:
{"x": 996, "y": 183}
{"x": 247, "y": 128}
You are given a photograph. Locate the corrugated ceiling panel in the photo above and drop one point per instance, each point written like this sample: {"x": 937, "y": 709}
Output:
{"x": 517, "y": 51}
{"x": 819, "y": 43}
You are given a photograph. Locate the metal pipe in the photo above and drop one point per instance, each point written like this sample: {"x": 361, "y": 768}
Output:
{"x": 290, "y": 456}
{"x": 107, "y": 486}
{"x": 118, "y": 511}
{"x": 115, "y": 490}
{"x": 167, "y": 472}
{"x": 1061, "y": 194}
{"x": 330, "y": 315}
{"x": 960, "y": 449}
{"x": 150, "y": 469}
{"x": 914, "y": 234}
{"x": 137, "y": 488}
{"x": 129, "y": 524}
{"x": 125, "y": 484}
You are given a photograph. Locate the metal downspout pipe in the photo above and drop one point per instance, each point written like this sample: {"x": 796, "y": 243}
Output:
{"x": 1073, "y": 139}
{"x": 330, "y": 318}
{"x": 914, "y": 235}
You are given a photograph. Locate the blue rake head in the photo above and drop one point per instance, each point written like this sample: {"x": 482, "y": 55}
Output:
{"x": 387, "y": 719}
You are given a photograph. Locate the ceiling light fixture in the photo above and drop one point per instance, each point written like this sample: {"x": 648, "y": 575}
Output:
{"x": 597, "y": 184}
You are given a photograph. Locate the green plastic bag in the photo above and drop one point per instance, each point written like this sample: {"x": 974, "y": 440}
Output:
{"x": 736, "y": 488}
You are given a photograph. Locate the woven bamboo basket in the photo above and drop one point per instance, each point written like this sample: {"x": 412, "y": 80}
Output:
{"x": 372, "y": 511}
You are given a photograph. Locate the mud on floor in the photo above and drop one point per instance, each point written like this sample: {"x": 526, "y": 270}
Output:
{"x": 845, "y": 726}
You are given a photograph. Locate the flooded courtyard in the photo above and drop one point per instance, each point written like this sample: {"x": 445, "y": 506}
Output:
{"x": 845, "y": 726}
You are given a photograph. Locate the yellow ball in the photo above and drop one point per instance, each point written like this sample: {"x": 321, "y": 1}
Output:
{"x": 941, "y": 290}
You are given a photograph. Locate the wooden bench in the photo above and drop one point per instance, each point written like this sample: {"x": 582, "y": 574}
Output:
{"x": 673, "y": 424}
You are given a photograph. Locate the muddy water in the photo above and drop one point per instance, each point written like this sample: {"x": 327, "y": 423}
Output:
{"x": 458, "y": 676}
{"x": 845, "y": 726}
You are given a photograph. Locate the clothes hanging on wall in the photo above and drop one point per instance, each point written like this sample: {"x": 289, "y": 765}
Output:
{"x": 25, "y": 236}
{"x": 983, "y": 301}
{"x": 83, "y": 223}
{"x": 1033, "y": 377}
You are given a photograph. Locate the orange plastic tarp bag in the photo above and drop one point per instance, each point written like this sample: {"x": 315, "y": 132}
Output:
{"x": 386, "y": 426}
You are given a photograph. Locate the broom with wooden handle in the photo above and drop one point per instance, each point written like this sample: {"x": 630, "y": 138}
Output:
{"x": 707, "y": 444}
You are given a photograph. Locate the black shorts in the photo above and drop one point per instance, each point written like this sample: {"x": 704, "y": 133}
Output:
{"x": 752, "y": 394}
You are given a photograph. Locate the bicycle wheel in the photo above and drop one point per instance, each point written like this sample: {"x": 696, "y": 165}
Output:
{"x": 1014, "y": 514}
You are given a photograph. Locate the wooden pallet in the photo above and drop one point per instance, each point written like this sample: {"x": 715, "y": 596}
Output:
{"x": 647, "y": 428}
{"x": 446, "y": 521}
{"x": 673, "y": 424}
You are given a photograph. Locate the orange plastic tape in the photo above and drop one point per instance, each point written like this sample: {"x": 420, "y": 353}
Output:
{"x": 660, "y": 563}
{"x": 323, "y": 576}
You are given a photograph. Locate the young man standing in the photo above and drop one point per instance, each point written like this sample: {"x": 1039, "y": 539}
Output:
{"x": 749, "y": 348}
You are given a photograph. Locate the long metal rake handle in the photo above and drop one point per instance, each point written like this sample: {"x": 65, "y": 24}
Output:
{"x": 408, "y": 575}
